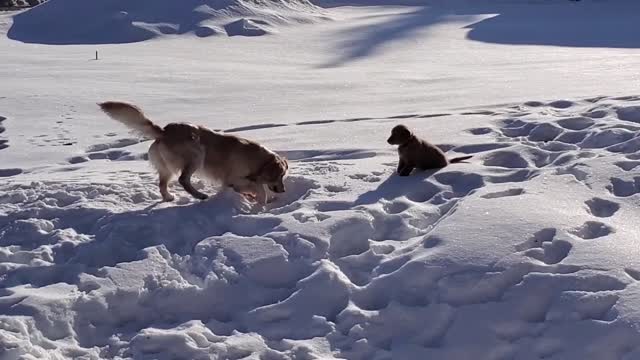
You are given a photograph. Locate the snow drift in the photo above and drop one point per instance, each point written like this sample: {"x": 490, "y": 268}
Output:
{"x": 122, "y": 21}
{"x": 526, "y": 252}
{"x": 529, "y": 251}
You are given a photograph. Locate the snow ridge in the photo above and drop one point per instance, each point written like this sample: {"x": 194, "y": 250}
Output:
{"x": 120, "y": 21}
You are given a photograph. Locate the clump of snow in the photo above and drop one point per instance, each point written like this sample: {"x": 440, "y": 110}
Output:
{"x": 245, "y": 27}
{"x": 121, "y": 21}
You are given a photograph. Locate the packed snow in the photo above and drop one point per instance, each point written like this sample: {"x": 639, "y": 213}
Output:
{"x": 527, "y": 251}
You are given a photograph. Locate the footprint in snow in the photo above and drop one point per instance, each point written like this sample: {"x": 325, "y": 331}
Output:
{"x": 592, "y": 230}
{"x": 601, "y": 207}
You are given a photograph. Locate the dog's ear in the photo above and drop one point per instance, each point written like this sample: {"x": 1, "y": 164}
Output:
{"x": 264, "y": 170}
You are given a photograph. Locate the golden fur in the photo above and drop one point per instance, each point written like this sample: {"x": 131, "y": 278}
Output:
{"x": 417, "y": 153}
{"x": 184, "y": 149}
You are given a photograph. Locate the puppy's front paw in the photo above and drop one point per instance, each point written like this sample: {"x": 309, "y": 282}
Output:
{"x": 202, "y": 196}
{"x": 168, "y": 198}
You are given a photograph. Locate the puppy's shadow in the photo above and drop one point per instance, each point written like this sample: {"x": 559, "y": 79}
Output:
{"x": 395, "y": 186}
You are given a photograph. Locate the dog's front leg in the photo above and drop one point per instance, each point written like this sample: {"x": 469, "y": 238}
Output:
{"x": 261, "y": 194}
{"x": 406, "y": 170}
{"x": 401, "y": 165}
{"x": 247, "y": 190}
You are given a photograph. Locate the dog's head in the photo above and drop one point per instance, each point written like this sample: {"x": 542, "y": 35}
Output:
{"x": 272, "y": 174}
{"x": 400, "y": 134}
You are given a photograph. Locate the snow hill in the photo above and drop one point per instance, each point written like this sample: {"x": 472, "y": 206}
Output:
{"x": 121, "y": 21}
{"x": 528, "y": 251}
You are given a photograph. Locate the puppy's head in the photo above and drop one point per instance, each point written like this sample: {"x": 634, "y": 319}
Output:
{"x": 400, "y": 134}
{"x": 272, "y": 174}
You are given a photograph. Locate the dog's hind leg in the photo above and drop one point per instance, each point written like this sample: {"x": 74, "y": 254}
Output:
{"x": 165, "y": 178}
{"x": 185, "y": 180}
{"x": 164, "y": 172}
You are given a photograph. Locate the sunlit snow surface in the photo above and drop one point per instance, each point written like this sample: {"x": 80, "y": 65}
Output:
{"x": 527, "y": 251}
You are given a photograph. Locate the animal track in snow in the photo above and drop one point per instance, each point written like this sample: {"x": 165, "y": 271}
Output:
{"x": 253, "y": 127}
{"x": 479, "y": 112}
{"x": 545, "y": 132}
{"x": 480, "y": 131}
{"x": 119, "y": 143}
{"x": 629, "y": 113}
{"x": 538, "y": 238}
{"x": 315, "y": 122}
{"x": 505, "y": 193}
{"x": 627, "y": 165}
{"x": 543, "y": 247}
{"x": 561, "y": 104}
{"x": 396, "y": 206}
{"x": 594, "y": 130}
{"x": 113, "y": 155}
{"x": 576, "y": 123}
{"x": 623, "y": 188}
{"x": 596, "y": 114}
{"x": 602, "y": 207}
{"x": 634, "y": 274}
{"x": 592, "y": 230}
{"x": 506, "y": 159}
{"x": 509, "y": 175}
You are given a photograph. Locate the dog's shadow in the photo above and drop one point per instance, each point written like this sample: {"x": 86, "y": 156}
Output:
{"x": 396, "y": 186}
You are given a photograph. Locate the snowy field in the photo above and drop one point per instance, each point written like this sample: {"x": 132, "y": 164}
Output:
{"x": 528, "y": 251}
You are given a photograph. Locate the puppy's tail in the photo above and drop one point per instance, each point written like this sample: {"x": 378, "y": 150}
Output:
{"x": 459, "y": 159}
{"x": 132, "y": 117}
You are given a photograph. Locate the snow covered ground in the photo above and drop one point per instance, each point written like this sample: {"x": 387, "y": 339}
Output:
{"x": 529, "y": 251}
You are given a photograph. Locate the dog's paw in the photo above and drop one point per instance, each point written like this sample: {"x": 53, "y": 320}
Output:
{"x": 168, "y": 198}
{"x": 250, "y": 196}
{"x": 202, "y": 197}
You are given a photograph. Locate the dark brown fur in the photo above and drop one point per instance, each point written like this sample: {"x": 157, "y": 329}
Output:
{"x": 417, "y": 153}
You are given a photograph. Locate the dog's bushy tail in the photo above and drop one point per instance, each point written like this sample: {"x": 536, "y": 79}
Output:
{"x": 132, "y": 117}
{"x": 459, "y": 159}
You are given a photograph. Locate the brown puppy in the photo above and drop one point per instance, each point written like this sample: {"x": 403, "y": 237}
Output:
{"x": 185, "y": 149}
{"x": 417, "y": 153}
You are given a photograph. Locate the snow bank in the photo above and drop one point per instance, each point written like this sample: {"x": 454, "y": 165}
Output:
{"x": 525, "y": 252}
{"x": 121, "y": 21}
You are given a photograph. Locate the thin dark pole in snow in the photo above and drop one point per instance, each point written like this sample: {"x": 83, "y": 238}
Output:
{"x": 96, "y": 54}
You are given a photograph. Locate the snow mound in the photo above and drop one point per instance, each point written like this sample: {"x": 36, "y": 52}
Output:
{"x": 525, "y": 252}
{"x": 121, "y": 21}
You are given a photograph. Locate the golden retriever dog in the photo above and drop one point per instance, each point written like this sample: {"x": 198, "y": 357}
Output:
{"x": 184, "y": 149}
{"x": 417, "y": 153}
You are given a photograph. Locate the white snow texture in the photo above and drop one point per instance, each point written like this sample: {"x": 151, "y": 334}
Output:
{"x": 529, "y": 250}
